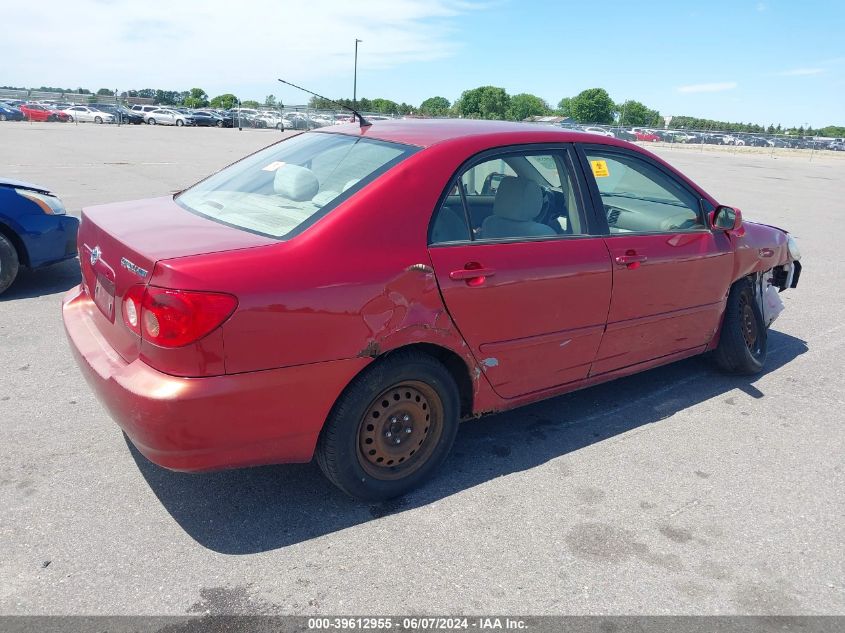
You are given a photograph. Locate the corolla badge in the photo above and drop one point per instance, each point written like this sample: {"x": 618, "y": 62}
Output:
{"x": 141, "y": 272}
{"x": 95, "y": 255}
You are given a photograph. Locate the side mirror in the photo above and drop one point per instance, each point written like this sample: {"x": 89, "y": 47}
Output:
{"x": 726, "y": 218}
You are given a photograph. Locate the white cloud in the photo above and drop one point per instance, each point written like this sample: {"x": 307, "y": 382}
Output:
{"x": 714, "y": 87}
{"x": 799, "y": 72}
{"x": 219, "y": 44}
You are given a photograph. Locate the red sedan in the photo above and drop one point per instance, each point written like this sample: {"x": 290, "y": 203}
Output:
{"x": 354, "y": 292}
{"x": 645, "y": 135}
{"x": 38, "y": 112}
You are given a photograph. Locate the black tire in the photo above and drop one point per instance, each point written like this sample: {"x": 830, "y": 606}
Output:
{"x": 219, "y": 124}
{"x": 744, "y": 339}
{"x": 179, "y": 123}
{"x": 402, "y": 379}
{"x": 151, "y": 121}
{"x": 9, "y": 263}
{"x": 98, "y": 119}
{"x": 70, "y": 119}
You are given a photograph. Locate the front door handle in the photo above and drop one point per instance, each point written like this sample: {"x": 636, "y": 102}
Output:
{"x": 471, "y": 273}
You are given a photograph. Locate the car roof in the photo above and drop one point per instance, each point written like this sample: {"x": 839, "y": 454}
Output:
{"x": 427, "y": 132}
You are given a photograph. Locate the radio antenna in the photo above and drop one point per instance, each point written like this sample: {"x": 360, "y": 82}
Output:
{"x": 362, "y": 120}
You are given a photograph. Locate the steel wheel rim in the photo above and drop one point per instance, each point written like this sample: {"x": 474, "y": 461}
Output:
{"x": 748, "y": 324}
{"x": 399, "y": 430}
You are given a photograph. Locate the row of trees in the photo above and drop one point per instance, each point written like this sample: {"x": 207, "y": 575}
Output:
{"x": 593, "y": 105}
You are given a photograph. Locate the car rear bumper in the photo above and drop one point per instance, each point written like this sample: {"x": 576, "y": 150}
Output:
{"x": 200, "y": 424}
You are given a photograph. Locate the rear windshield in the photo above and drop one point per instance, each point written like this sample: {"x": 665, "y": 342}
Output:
{"x": 286, "y": 187}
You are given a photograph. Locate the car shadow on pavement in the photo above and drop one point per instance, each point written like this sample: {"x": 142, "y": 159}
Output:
{"x": 44, "y": 281}
{"x": 259, "y": 509}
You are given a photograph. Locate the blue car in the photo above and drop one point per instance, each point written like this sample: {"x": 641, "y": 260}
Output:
{"x": 8, "y": 113}
{"x": 34, "y": 229}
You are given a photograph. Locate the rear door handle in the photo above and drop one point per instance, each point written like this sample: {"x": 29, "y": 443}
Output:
{"x": 471, "y": 273}
{"x": 624, "y": 260}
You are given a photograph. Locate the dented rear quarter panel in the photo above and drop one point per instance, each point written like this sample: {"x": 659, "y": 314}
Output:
{"x": 350, "y": 286}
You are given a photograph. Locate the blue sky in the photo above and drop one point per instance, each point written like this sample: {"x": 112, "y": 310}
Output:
{"x": 765, "y": 61}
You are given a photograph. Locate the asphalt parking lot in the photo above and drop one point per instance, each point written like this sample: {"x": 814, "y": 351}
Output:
{"x": 676, "y": 491}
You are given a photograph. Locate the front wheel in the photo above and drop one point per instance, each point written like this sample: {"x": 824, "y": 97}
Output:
{"x": 179, "y": 123}
{"x": 9, "y": 263}
{"x": 98, "y": 119}
{"x": 151, "y": 121}
{"x": 219, "y": 124}
{"x": 392, "y": 427}
{"x": 744, "y": 339}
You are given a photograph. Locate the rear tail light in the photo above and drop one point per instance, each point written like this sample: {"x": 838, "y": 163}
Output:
{"x": 174, "y": 318}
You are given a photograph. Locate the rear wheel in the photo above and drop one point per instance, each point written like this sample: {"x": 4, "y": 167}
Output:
{"x": 179, "y": 123}
{"x": 392, "y": 427}
{"x": 9, "y": 263}
{"x": 744, "y": 338}
{"x": 151, "y": 121}
{"x": 98, "y": 119}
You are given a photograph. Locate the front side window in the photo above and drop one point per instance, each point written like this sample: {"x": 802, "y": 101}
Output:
{"x": 640, "y": 198}
{"x": 284, "y": 188}
{"x": 518, "y": 195}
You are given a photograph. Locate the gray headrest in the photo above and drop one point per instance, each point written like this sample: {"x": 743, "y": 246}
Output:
{"x": 518, "y": 199}
{"x": 296, "y": 183}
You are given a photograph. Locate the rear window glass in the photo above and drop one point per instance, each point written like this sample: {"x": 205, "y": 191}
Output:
{"x": 284, "y": 188}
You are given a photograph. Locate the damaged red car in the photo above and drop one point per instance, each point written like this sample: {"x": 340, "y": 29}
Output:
{"x": 353, "y": 292}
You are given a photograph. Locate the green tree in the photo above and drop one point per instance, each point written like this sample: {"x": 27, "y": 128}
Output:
{"x": 270, "y": 101}
{"x": 384, "y": 106}
{"x": 836, "y": 131}
{"x": 635, "y": 113}
{"x": 105, "y": 92}
{"x": 525, "y": 105}
{"x": 250, "y": 103}
{"x": 435, "y": 106}
{"x": 406, "y": 108}
{"x": 196, "y": 98}
{"x": 484, "y": 102}
{"x": 167, "y": 97}
{"x": 593, "y": 105}
{"x": 564, "y": 106}
{"x": 224, "y": 102}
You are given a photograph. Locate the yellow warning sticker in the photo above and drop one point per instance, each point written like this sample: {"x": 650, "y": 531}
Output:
{"x": 273, "y": 166}
{"x": 600, "y": 169}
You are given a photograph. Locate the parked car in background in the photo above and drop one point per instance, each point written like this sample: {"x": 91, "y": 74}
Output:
{"x": 646, "y": 135}
{"x": 10, "y": 113}
{"x": 86, "y": 114}
{"x": 204, "y": 118}
{"x": 143, "y": 110}
{"x": 601, "y": 131}
{"x": 120, "y": 112}
{"x": 35, "y": 230}
{"x": 166, "y": 116}
{"x": 271, "y": 119}
{"x": 476, "y": 302}
{"x": 39, "y": 112}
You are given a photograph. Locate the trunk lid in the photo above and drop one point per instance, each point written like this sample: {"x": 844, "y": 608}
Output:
{"x": 120, "y": 244}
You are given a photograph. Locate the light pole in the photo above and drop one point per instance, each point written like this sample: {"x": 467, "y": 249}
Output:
{"x": 355, "y": 77}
